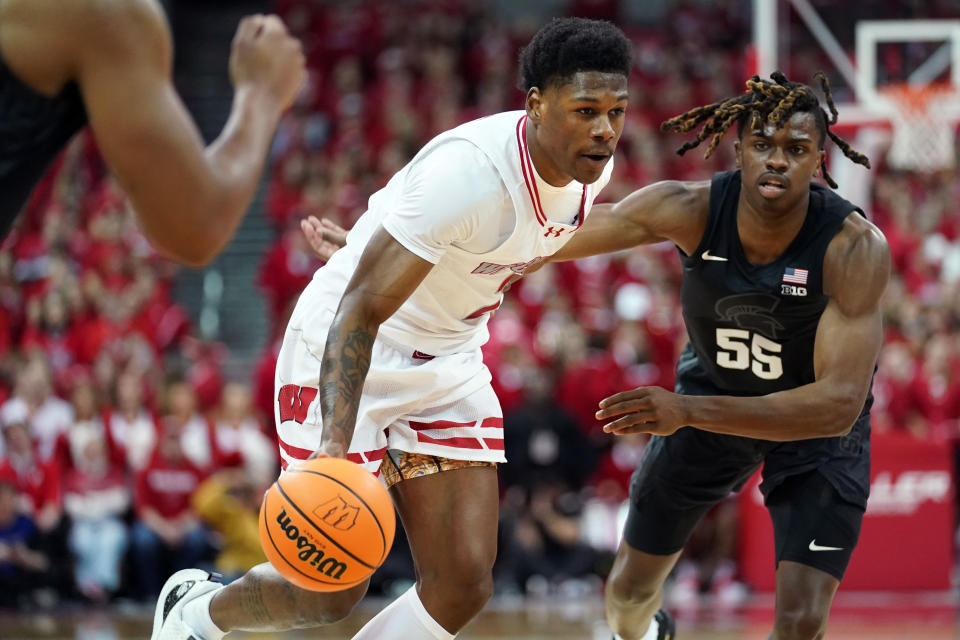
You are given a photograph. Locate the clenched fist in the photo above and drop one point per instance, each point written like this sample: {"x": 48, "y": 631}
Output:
{"x": 264, "y": 55}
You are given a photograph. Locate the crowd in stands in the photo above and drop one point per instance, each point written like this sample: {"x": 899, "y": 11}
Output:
{"x": 117, "y": 424}
{"x": 125, "y": 454}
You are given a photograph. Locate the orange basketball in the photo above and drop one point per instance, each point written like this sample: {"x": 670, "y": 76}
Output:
{"x": 326, "y": 524}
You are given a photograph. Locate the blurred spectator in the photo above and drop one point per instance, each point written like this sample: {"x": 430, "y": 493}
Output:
{"x": 37, "y": 480}
{"x": 618, "y": 462}
{"x": 204, "y": 361}
{"x": 22, "y": 569}
{"x": 33, "y": 403}
{"x": 38, "y": 483}
{"x": 49, "y": 331}
{"x": 544, "y": 444}
{"x": 87, "y": 423}
{"x": 240, "y": 440}
{"x": 96, "y": 498}
{"x": 130, "y": 425}
{"x": 935, "y": 389}
{"x": 286, "y": 269}
{"x": 193, "y": 429}
{"x": 708, "y": 563}
{"x": 262, "y": 384}
{"x": 547, "y": 554}
{"x": 229, "y": 503}
{"x": 893, "y": 406}
{"x": 166, "y": 534}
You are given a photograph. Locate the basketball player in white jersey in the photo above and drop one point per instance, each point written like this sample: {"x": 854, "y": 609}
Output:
{"x": 381, "y": 360}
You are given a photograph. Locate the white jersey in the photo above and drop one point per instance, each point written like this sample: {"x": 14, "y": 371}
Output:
{"x": 471, "y": 203}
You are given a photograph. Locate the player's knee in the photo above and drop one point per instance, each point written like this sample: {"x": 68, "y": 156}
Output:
{"x": 474, "y": 585}
{"x": 628, "y": 591}
{"x": 477, "y": 590}
{"x": 467, "y": 579}
{"x": 799, "y": 623}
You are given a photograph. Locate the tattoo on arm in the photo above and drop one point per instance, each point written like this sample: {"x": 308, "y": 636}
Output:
{"x": 252, "y": 598}
{"x": 344, "y": 370}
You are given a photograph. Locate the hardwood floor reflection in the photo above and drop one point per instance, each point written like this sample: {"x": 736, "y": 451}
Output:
{"x": 526, "y": 620}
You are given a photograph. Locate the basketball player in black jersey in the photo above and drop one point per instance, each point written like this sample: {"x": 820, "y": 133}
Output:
{"x": 64, "y": 63}
{"x": 782, "y": 281}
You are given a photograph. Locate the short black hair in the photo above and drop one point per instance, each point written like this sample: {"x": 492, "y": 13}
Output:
{"x": 564, "y": 46}
{"x": 764, "y": 101}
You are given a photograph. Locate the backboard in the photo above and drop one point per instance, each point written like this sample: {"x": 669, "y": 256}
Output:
{"x": 897, "y": 81}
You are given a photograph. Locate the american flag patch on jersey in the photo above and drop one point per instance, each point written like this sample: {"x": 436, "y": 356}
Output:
{"x": 795, "y": 276}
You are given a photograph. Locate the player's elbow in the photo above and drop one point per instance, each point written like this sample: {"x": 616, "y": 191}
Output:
{"x": 191, "y": 233}
{"x": 197, "y": 260}
{"x": 196, "y": 250}
{"x": 364, "y": 309}
{"x": 195, "y": 257}
{"x": 840, "y": 427}
{"x": 845, "y": 407}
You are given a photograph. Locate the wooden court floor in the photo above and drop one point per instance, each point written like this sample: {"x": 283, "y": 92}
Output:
{"x": 888, "y": 617}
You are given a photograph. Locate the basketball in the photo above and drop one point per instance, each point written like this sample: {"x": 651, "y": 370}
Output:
{"x": 326, "y": 524}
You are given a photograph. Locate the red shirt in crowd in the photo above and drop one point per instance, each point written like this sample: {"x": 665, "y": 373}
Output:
{"x": 38, "y": 481}
{"x": 166, "y": 486}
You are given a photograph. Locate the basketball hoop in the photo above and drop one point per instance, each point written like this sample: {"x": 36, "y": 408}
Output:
{"x": 924, "y": 133}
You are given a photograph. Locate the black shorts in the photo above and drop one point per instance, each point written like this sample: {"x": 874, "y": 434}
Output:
{"x": 682, "y": 476}
{"x": 813, "y": 525}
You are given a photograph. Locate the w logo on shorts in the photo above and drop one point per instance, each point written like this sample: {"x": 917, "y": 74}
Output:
{"x": 338, "y": 514}
{"x": 294, "y": 402}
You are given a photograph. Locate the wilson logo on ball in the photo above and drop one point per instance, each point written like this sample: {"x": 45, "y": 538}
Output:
{"x": 309, "y": 552}
{"x": 326, "y": 524}
{"x": 338, "y": 513}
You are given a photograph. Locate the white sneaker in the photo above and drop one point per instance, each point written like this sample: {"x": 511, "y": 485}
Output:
{"x": 180, "y": 588}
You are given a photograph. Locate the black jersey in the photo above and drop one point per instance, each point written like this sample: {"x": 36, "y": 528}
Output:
{"x": 33, "y": 129}
{"x": 752, "y": 328}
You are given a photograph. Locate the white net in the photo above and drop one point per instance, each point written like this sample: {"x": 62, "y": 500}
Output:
{"x": 924, "y": 133}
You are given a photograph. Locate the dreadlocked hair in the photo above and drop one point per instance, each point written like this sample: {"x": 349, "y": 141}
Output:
{"x": 773, "y": 102}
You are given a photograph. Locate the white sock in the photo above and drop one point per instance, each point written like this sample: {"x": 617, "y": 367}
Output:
{"x": 196, "y": 615}
{"x": 651, "y": 633}
{"x": 404, "y": 619}
{"x": 652, "y": 630}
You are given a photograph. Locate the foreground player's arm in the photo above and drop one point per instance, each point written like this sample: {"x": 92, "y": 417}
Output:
{"x": 448, "y": 193}
{"x": 388, "y": 273}
{"x": 848, "y": 340}
{"x": 189, "y": 199}
{"x": 669, "y": 210}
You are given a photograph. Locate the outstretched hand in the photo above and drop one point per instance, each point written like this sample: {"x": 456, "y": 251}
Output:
{"x": 644, "y": 410}
{"x": 325, "y": 237}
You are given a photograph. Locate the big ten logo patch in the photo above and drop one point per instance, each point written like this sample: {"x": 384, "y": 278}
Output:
{"x": 338, "y": 513}
{"x": 294, "y": 401}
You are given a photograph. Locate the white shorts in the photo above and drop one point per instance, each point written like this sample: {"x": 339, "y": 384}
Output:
{"x": 442, "y": 406}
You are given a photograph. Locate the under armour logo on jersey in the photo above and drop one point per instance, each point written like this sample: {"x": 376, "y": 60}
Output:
{"x": 556, "y": 232}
